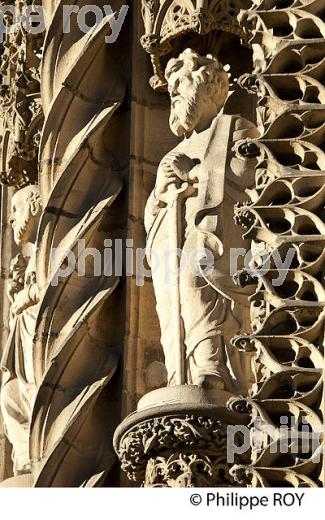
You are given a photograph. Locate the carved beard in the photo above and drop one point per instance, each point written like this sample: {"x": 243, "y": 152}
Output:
{"x": 20, "y": 232}
{"x": 184, "y": 115}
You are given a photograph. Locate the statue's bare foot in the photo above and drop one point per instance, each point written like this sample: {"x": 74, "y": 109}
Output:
{"x": 210, "y": 382}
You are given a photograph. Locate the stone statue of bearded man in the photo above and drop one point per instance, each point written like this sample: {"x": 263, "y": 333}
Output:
{"x": 191, "y": 210}
{"x": 18, "y": 384}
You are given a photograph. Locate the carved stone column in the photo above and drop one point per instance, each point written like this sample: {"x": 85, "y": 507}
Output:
{"x": 78, "y": 161}
{"x": 21, "y": 120}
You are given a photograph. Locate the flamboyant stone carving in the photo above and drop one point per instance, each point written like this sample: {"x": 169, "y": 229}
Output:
{"x": 18, "y": 388}
{"x": 188, "y": 211}
{"x": 182, "y": 442}
{"x": 177, "y": 451}
{"x": 76, "y": 350}
{"x": 61, "y": 395}
{"x": 285, "y": 220}
{"x": 68, "y": 354}
{"x": 166, "y": 21}
{"x": 21, "y": 113}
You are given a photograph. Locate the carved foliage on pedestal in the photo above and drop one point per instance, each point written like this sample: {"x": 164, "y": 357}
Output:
{"x": 184, "y": 470}
{"x": 285, "y": 221}
{"x": 176, "y": 451}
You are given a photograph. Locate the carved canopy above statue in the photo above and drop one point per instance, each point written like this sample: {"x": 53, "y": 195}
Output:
{"x": 168, "y": 21}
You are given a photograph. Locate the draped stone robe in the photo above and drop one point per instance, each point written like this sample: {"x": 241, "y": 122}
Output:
{"x": 213, "y": 309}
{"x": 18, "y": 379}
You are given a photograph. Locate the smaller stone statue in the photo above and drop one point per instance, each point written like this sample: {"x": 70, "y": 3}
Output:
{"x": 18, "y": 383}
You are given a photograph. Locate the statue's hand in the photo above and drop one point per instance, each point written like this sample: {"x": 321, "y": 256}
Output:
{"x": 174, "y": 169}
{"x": 19, "y": 304}
{"x": 22, "y": 302}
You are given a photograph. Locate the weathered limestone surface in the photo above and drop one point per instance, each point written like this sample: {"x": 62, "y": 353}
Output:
{"x": 221, "y": 148}
{"x": 75, "y": 349}
{"x": 284, "y": 217}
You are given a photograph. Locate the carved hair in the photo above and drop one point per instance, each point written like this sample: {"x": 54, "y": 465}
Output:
{"x": 33, "y": 197}
{"x": 32, "y": 194}
{"x": 208, "y": 71}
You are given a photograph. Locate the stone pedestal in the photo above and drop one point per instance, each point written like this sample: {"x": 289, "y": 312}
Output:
{"x": 21, "y": 481}
{"x": 178, "y": 438}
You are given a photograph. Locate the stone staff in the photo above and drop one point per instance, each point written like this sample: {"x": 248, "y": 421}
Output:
{"x": 173, "y": 198}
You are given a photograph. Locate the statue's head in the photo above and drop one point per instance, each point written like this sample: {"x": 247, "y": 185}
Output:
{"x": 198, "y": 87}
{"x": 25, "y": 213}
